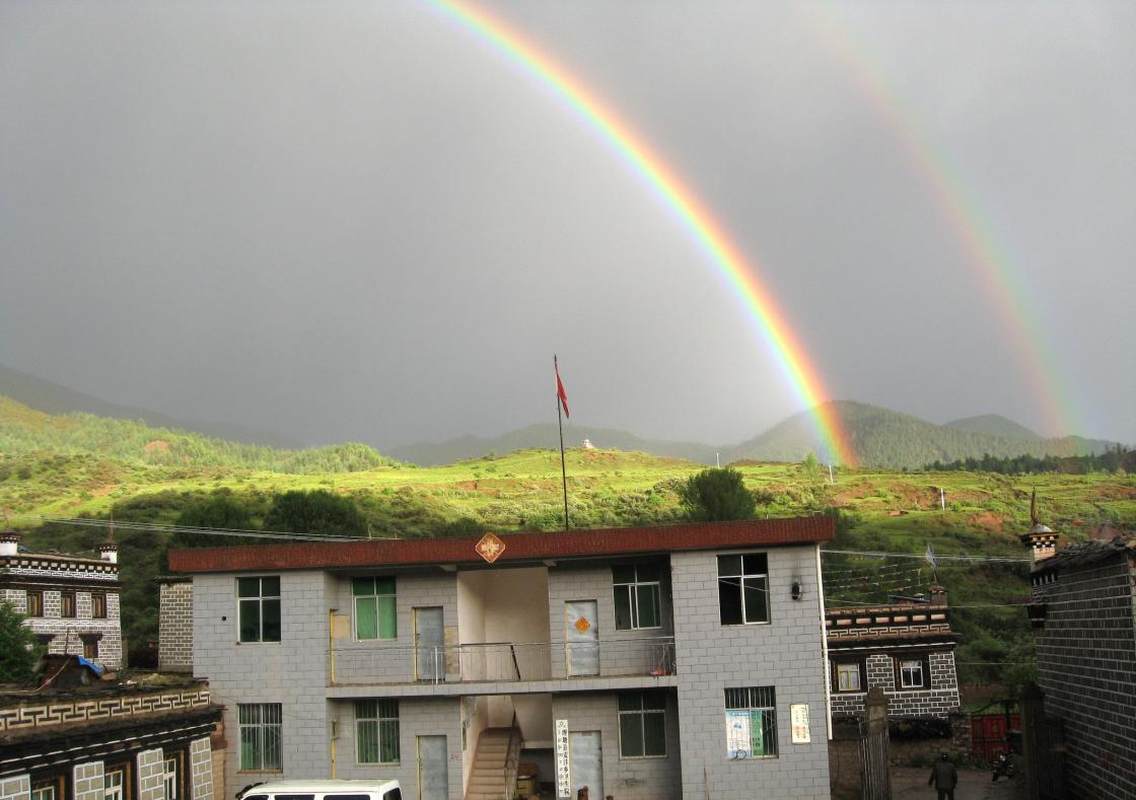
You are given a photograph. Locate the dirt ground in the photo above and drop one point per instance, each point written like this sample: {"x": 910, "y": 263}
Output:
{"x": 910, "y": 783}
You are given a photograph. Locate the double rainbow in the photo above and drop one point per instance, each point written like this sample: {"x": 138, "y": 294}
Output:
{"x": 768, "y": 320}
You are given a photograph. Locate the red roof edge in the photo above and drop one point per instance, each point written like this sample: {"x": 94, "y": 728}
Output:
{"x": 518, "y": 546}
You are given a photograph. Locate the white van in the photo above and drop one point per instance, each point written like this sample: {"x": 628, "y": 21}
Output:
{"x": 323, "y": 790}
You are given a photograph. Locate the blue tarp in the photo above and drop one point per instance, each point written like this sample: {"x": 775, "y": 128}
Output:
{"x": 91, "y": 665}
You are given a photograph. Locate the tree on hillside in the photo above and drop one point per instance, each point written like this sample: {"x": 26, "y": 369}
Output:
{"x": 318, "y": 511}
{"x": 19, "y": 650}
{"x": 221, "y": 511}
{"x": 714, "y": 495}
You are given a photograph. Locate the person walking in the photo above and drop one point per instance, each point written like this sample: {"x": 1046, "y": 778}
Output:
{"x": 945, "y": 777}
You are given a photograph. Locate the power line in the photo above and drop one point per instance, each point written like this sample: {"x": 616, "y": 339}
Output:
{"x": 923, "y": 557}
{"x": 158, "y": 527}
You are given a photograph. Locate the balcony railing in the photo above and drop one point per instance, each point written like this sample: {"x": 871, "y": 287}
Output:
{"x": 501, "y": 661}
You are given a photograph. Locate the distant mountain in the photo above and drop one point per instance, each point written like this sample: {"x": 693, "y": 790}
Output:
{"x": 885, "y": 438}
{"x": 995, "y": 425}
{"x": 52, "y": 398}
{"x": 545, "y": 436}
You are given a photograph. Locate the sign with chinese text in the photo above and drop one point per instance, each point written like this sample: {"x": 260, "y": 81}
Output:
{"x": 563, "y": 773}
{"x": 799, "y": 722}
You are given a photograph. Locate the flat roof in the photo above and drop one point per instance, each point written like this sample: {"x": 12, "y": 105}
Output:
{"x": 519, "y": 547}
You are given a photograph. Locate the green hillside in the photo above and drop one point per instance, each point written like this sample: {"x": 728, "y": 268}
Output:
{"x": 885, "y": 438}
{"x": 994, "y": 425}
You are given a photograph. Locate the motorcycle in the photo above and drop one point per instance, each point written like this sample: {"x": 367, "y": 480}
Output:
{"x": 1004, "y": 767}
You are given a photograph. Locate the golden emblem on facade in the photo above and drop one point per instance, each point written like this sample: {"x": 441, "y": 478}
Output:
{"x": 490, "y": 547}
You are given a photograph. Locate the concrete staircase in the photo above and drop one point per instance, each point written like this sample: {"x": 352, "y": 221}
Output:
{"x": 491, "y": 765}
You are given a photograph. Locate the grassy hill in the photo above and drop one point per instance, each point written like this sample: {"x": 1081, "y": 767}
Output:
{"x": 993, "y": 425}
{"x": 74, "y": 465}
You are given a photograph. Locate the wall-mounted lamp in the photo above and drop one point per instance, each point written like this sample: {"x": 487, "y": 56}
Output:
{"x": 796, "y": 590}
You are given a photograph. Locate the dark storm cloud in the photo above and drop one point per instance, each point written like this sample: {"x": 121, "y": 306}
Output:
{"x": 357, "y": 221}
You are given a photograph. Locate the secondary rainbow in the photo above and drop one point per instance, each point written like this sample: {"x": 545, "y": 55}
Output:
{"x": 766, "y": 318}
{"x": 1003, "y": 284}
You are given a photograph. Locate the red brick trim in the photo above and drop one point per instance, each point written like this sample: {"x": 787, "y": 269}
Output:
{"x": 518, "y": 546}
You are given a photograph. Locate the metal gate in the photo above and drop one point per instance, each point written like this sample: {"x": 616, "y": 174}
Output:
{"x": 990, "y": 735}
{"x": 875, "y": 783}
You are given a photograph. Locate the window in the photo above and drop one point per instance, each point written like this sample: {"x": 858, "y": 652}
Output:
{"x": 636, "y": 597}
{"x": 98, "y": 605}
{"x": 259, "y": 600}
{"x": 743, "y": 589}
{"x": 261, "y": 736}
{"x": 393, "y": 794}
{"x": 910, "y": 673}
{"x": 90, "y": 645}
{"x": 171, "y": 778}
{"x": 44, "y": 790}
{"x": 375, "y": 608}
{"x": 376, "y": 731}
{"x": 35, "y": 603}
{"x": 114, "y": 784}
{"x": 848, "y": 677}
{"x": 66, "y": 604}
{"x": 751, "y": 722}
{"x": 642, "y": 725}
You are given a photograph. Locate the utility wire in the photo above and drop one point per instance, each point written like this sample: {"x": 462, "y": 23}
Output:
{"x": 923, "y": 557}
{"x": 154, "y": 526}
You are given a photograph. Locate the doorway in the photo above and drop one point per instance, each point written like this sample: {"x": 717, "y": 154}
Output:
{"x": 581, "y": 638}
{"x": 429, "y": 638}
{"x": 433, "y": 768}
{"x": 585, "y": 760}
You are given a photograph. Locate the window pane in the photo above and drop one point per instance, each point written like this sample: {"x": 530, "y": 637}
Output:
{"x": 730, "y": 600}
{"x": 623, "y": 608}
{"x": 384, "y": 585}
{"x": 630, "y": 735}
{"x": 755, "y": 564}
{"x": 249, "y": 758}
{"x": 368, "y": 744}
{"x": 250, "y": 620}
{"x": 655, "y": 700}
{"x": 388, "y": 738}
{"x": 388, "y": 618}
{"x": 270, "y": 587}
{"x": 347, "y": 797}
{"x": 729, "y": 565}
{"x": 366, "y": 709}
{"x": 366, "y": 618}
{"x": 648, "y": 572}
{"x": 273, "y": 747}
{"x": 270, "y": 609}
{"x": 655, "y": 739}
{"x": 756, "y": 600}
{"x": 362, "y": 586}
{"x": 648, "y": 602}
{"x": 757, "y": 733}
{"x": 630, "y": 702}
{"x": 248, "y": 587}
{"x": 623, "y": 574}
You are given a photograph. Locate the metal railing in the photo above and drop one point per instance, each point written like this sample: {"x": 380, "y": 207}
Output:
{"x": 500, "y": 661}
{"x": 512, "y": 759}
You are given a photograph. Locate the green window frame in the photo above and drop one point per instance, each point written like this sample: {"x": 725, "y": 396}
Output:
{"x": 376, "y": 608}
{"x": 637, "y": 591}
{"x": 642, "y": 725}
{"x": 261, "y": 730}
{"x": 751, "y": 722}
{"x": 258, "y": 609}
{"x": 376, "y": 732}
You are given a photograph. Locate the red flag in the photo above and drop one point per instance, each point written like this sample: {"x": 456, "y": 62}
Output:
{"x": 563, "y": 395}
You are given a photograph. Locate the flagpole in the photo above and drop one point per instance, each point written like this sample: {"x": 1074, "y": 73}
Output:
{"x": 563, "y": 467}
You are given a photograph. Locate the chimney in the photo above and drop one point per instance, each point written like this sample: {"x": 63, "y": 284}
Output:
{"x": 9, "y": 543}
{"x": 1040, "y": 539}
{"x": 938, "y": 595}
{"x": 108, "y": 550}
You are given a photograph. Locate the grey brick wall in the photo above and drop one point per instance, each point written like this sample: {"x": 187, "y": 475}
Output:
{"x": 200, "y": 769}
{"x": 87, "y": 781}
{"x": 292, "y": 672}
{"x": 785, "y": 654}
{"x": 1086, "y": 660}
{"x": 624, "y": 778}
{"x": 416, "y": 717}
{"x": 67, "y": 631}
{"x": 940, "y": 700}
{"x": 570, "y": 582}
{"x": 151, "y": 770}
{"x": 17, "y": 787}
{"x": 175, "y": 627}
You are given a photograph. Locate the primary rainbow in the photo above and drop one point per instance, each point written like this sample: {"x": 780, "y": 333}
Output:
{"x": 1005, "y": 286}
{"x": 765, "y": 317}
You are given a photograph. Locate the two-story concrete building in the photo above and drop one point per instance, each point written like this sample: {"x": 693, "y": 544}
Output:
{"x": 680, "y": 661}
{"x": 70, "y": 602}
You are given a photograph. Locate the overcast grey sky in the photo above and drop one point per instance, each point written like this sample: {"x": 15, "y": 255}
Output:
{"x": 359, "y": 221}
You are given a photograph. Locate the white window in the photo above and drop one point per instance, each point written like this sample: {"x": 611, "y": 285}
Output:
{"x": 261, "y": 733}
{"x": 751, "y": 722}
{"x": 911, "y": 673}
{"x": 637, "y": 592}
{"x": 171, "y": 778}
{"x": 642, "y": 725}
{"x": 43, "y": 791}
{"x": 376, "y": 731}
{"x": 743, "y": 589}
{"x": 114, "y": 784}
{"x": 848, "y": 677}
{"x": 259, "y": 609}
{"x": 376, "y": 609}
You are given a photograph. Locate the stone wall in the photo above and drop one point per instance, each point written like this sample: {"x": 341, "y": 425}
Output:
{"x": 200, "y": 770}
{"x": 67, "y": 632}
{"x": 940, "y": 700}
{"x": 1086, "y": 660}
{"x": 175, "y": 626}
{"x": 151, "y": 775}
{"x": 87, "y": 781}
{"x": 28, "y": 712}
